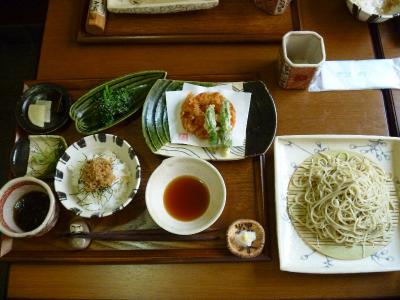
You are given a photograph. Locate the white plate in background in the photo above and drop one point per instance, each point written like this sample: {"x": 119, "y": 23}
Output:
{"x": 294, "y": 254}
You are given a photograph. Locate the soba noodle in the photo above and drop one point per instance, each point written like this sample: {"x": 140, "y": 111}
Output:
{"x": 346, "y": 199}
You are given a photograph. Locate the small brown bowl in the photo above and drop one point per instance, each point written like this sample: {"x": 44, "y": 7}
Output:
{"x": 245, "y": 251}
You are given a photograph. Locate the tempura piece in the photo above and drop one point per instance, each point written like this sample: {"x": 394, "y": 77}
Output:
{"x": 226, "y": 128}
{"x": 193, "y": 112}
{"x": 210, "y": 125}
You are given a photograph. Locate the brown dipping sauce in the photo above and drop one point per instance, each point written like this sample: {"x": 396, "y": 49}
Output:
{"x": 31, "y": 210}
{"x": 186, "y": 198}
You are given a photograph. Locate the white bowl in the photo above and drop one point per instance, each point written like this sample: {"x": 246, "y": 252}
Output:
{"x": 172, "y": 168}
{"x": 66, "y": 177}
{"x": 364, "y": 13}
{"x": 11, "y": 192}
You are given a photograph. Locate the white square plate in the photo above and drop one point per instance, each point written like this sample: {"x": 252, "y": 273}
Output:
{"x": 294, "y": 254}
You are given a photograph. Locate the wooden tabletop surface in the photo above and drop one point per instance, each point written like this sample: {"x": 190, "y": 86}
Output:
{"x": 389, "y": 41}
{"x": 299, "y": 112}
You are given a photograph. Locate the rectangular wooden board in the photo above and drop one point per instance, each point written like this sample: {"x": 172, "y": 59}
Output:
{"x": 230, "y": 21}
{"x": 246, "y": 198}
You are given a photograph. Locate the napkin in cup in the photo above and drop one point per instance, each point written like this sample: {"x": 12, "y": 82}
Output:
{"x": 174, "y": 99}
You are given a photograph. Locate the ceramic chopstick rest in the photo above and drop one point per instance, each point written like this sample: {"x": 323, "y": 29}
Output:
{"x": 79, "y": 227}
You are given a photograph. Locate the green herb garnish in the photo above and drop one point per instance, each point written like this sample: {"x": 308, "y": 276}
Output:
{"x": 113, "y": 104}
{"x": 44, "y": 153}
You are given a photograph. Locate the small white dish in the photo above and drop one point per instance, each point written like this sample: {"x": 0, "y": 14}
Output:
{"x": 14, "y": 190}
{"x": 172, "y": 168}
{"x": 294, "y": 254}
{"x": 65, "y": 178}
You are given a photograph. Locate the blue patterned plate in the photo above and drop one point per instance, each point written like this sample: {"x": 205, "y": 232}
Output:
{"x": 294, "y": 254}
{"x": 126, "y": 170}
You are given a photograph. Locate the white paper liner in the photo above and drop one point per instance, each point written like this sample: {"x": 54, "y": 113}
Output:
{"x": 174, "y": 99}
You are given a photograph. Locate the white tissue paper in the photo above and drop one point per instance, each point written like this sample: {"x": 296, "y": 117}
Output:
{"x": 174, "y": 99}
{"x": 357, "y": 75}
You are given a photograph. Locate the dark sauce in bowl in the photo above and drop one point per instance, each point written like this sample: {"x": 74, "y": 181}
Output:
{"x": 31, "y": 210}
{"x": 186, "y": 198}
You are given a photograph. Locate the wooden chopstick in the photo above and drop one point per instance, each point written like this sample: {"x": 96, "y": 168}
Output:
{"x": 148, "y": 235}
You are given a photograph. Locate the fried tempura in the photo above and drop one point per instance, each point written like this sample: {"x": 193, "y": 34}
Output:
{"x": 193, "y": 112}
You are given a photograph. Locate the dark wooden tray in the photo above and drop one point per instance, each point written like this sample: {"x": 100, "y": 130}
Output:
{"x": 246, "y": 198}
{"x": 230, "y": 21}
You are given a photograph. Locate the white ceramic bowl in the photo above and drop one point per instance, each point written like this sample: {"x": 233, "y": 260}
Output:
{"x": 66, "y": 177}
{"x": 172, "y": 168}
{"x": 11, "y": 192}
{"x": 364, "y": 13}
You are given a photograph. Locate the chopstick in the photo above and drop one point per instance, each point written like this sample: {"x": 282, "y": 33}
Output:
{"x": 148, "y": 235}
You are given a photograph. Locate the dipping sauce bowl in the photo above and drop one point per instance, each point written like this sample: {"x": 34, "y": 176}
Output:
{"x": 188, "y": 221}
{"x": 28, "y": 208}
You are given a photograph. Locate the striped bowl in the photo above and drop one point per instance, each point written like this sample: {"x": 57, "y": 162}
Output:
{"x": 97, "y": 143}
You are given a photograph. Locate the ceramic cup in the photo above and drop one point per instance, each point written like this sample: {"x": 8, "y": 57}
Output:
{"x": 273, "y": 7}
{"x": 301, "y": 55}
{"x": 11, "y": 192}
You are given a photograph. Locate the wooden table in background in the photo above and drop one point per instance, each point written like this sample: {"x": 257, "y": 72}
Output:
{"x": 299, "y": 112}
{"x": 389, "y": 38}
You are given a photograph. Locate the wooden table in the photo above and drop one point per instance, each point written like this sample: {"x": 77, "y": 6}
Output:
{"x": 388, "y": 42}
{"x": 299, "y": 112}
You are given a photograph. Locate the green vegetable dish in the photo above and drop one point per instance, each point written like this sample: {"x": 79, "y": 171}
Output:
{"x": 219, "y": 137}
{"x": 226, "y": 128}
{"x": 210, "y": 124}
{"x": 113, "y": 104}
{"x": 44, "y": 153}
{"x": 113, "y": 101}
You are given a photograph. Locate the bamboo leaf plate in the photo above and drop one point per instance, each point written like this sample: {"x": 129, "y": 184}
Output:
{"x": 85, "y": 110}
{"x": 260, "y": 131}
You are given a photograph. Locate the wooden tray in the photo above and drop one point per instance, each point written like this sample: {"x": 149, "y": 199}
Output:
{"x": 245, "y": 199}
{"x": 230, "y": 21}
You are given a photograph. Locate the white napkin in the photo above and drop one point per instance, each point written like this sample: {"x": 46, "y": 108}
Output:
{"x": 240, "y": 100}
{"x": 357, "y": 75}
